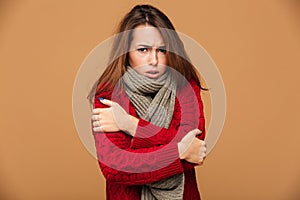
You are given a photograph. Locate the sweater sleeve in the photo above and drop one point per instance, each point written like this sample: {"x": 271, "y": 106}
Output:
{"x": 188, "y": 115}
{"x": 120, "y": 163}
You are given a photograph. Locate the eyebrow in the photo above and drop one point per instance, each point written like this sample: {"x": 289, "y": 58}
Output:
{"x": 149, "y": 46}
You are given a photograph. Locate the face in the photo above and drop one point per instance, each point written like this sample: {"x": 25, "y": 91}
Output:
{"x": 147, "y": 54}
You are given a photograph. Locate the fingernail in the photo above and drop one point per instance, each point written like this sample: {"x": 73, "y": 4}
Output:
{"x": 101, "y": 99}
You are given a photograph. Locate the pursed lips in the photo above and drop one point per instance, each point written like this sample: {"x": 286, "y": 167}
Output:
{"x": 152, "y": 72}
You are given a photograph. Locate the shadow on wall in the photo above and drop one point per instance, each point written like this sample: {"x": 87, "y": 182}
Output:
{"x": 295, "y": 7}
{"x": 295, "y": 193}
{"x": 5, "y": 8}
{"x": 296, "y": 3}
{"x": 4, "y": 5}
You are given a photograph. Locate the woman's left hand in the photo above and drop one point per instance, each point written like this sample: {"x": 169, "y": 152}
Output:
{"x": 113, "y": 119}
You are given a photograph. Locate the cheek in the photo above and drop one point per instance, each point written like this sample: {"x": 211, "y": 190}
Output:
{"x": 135, "y": 60}
{"x": 163, "y": 64}
{"x": 163, "y": 69}
{"x": 131, "y": 59}
{"x": 164, "y": 61}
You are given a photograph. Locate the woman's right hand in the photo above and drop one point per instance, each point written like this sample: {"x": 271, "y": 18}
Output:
{"x": 113, "y": 119}
{"x": 191, "y": 148}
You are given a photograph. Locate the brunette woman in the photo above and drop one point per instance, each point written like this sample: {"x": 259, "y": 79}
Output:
{"x": 148, "y": 120}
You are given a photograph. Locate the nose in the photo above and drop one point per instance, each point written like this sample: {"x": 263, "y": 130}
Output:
{"x": 153, "y": 57}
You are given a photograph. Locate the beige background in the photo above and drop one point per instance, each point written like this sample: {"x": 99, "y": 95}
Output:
{"x": 256, "y": 45}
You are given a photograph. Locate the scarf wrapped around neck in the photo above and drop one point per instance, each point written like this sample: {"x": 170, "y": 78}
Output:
{"x": 154, "y": 101}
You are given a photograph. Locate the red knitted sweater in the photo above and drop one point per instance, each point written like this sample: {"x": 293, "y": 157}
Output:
{"x": 151, "y": 155}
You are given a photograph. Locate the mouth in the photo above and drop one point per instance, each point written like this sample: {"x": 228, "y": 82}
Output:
{"x": 152, "y": 73}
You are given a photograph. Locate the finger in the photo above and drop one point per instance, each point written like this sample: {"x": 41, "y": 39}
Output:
{"x": 203, "y": 149}
{"x": 97, "y": 129}
{"x": 96, "y": 123}
{"x": 97, "y": 110}
{"x": 189, "y": 136}
{"x": 200, "y": 160}
{"x": 202, "y": 155}
{"x": 203, "y": 143}
{"x": 106, "y": 102}
{"x": 95, "y": 117}
{"x": 199, "y": 132}
{"x": 196, "y": 131}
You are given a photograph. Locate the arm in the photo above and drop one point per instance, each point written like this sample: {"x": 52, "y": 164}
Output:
{"x": 118, "y": 161}
{"x": 191, "y": 110}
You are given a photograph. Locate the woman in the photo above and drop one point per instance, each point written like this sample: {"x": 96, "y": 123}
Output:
{"x": 148, "y": 119}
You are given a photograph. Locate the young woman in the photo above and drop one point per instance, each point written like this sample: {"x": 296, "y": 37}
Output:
{"x": 148, "y": 120}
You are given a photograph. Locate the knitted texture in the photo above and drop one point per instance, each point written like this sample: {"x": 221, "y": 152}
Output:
{"x": 154, "y": 101}
{"x": 141, "y": 89}
{"x": 169, "y": 188}
{"x": 122, "y": 185}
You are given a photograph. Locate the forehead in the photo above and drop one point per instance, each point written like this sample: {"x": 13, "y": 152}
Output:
{"x": 145, "y": 34}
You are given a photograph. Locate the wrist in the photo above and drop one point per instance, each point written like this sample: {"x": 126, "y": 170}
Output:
{"x": 180, "y": 150}
{"x": 133, "y": 125}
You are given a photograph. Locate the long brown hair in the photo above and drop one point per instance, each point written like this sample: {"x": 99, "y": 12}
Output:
{"x": 177, "y": 57}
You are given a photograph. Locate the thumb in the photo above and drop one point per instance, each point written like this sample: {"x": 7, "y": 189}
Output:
{"x": 106, "y": 101}
{"x": 190, "y": 135}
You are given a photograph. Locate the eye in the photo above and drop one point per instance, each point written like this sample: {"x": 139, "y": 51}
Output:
{"x": 162, "y": 50}
{"x": 143, "y": 50}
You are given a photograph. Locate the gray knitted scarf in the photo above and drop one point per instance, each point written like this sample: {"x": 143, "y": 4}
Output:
{"x": 154, "y": 101}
